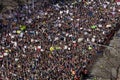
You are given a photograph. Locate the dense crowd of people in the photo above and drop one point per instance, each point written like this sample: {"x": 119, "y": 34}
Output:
{"x": 54, "y": 42}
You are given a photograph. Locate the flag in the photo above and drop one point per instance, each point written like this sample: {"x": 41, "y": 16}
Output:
{"x": 57, "y": 48}
{"x": 22, "y": 28}
{"x": 80, "y": 39}
{"x": 52, "y": 48}
{"x": 93, "y": 27}
{"x": 18, "y": 31}
{"x": 89, "y": 47}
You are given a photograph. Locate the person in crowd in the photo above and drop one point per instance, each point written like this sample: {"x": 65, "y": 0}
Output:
{"x": 54, "y": 42}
